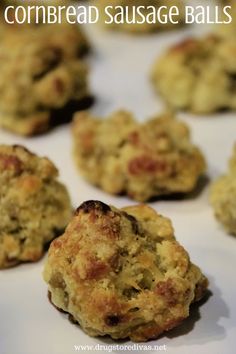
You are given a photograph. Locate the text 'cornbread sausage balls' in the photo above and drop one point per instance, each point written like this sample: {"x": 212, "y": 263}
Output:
{"x": 141, "y": 16}
{"x": 120, "y": 272}
{"x": 198, "y": 75}
{"x": 223, "y": 197}
{"x": 34, "y": 206}
{"x": 40, "y": 72}
{"x": 145, "y": 160}
{"x": 228, "y": 30}
{"x": 30, "y": 12}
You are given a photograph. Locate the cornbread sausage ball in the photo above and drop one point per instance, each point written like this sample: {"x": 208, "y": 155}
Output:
{"x": 147, "y": 160}
{"x": 40, "y": 72}
{"x": 198, "y": 75}
{"x": 35, "y": 207}
{"x": 223, "y": 197}
{"x": 120, "y": 272}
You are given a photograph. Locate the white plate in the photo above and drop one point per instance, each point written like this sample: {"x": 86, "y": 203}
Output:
{"x": 119, "y": 78}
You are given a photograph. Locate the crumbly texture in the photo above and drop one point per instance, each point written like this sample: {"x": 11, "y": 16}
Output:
{"x": 144, "y": 27}
{"x": 122, "y": 273}
{"x": 146, "y": 160}
{"x": 40, "y": 72}
{"x": 223, "y": 197}
{"x": 198, "y": 75}
{"x": 34, "y": 206}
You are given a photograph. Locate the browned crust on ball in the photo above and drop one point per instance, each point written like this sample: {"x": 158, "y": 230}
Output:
{"x": 35, "y": 207}
{"x": 144, "y": 161}
{"x": 120, "y": 272}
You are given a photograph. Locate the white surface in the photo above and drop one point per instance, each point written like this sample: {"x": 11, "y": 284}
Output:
{"x": 119, "y": 78}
